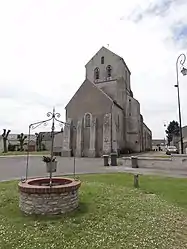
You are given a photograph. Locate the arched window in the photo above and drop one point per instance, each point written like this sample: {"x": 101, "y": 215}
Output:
{"x": 102, "y": 60}
{"x": 109, "y": 70}
{"x": 96, "y": 73}
{"x": 87, "y": 120}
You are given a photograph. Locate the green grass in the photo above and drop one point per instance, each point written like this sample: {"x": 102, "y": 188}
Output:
{"x": 112, "y": 215}
{"x": 17, "y": 153}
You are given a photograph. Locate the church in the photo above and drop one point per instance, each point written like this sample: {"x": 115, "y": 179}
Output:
{"x": 103, "y": 116}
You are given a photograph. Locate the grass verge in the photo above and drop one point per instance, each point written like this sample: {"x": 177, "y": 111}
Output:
{"x": 112, "y": 214}
{"x": 20, "y": 153}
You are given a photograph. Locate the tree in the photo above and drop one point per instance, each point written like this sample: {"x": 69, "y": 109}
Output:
{"x": 21, "y": 139}
{"x": 169, "y": 138}
{"x": 172, "y": 131}
{"x": 5, "y": 138}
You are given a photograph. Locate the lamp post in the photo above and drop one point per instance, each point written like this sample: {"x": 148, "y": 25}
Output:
{"x": 180, "y": 60}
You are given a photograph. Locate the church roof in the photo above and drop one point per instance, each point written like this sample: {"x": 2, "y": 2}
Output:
{"x": 113, "y": 54}
{"x": 98, "y": 89}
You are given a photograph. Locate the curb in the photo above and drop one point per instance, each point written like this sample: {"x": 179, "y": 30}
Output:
{"x": 9, "y": 156}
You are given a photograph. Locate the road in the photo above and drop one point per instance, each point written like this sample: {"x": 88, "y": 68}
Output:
{"x": 15, "y": 167}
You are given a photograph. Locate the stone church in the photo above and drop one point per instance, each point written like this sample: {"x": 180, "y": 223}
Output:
{"x": 103, "y": 116}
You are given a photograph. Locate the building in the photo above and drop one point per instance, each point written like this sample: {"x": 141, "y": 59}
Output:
{"x": 159, "y": 144}
{"x": 58, "y": 143}
{"x": 184, "y": 134}
{"x": 103, "y": 115}
{"x": 14, "y": 142}
{"x": 44, "y": 141}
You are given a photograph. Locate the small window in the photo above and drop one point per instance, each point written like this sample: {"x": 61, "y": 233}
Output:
{"x": 96, "y": 73}
{"x": 87, "y": 120}
{"x": 102, "y": 60}
{"x": 109, "y": 70}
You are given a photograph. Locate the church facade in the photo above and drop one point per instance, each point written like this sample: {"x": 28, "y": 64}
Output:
{"x": 103, "y": 116}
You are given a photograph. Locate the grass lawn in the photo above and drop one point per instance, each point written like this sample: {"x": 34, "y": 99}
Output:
{"x": 17, "y": 153}
{"x": 112, "y": 215}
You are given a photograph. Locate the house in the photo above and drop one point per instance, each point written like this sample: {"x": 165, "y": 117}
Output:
{"x": 103, "y": 115}
{"x": 14, "y": 142}
{"x": 46, "y": 140}
{"x": 58, "y": 143}
{"x": 158, "y": 144}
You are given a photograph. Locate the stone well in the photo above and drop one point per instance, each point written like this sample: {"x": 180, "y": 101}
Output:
{"x": 37, "y": 197}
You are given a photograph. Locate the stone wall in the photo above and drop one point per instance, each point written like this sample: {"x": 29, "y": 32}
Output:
{"x": 133, "y": 124}
{"x": 147, "y": 138}
{"x": 79, "y": 134}
{"x": 66, "y": 149}
{"x": 107, "y": 134}
{"x": 118, "y": 133}
{"x": 92, "y": 148}
{"x": 176, "y": 162}
{"x": 58, "y": 142}
{"x": 48, "y": 203}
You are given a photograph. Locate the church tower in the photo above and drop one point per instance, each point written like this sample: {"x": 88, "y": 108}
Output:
{"x": 110, "y": 73}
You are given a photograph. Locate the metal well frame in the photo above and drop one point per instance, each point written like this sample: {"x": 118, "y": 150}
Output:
{"x": 54, "y": 117}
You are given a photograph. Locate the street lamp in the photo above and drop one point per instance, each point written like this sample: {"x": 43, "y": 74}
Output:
{"x": 181, "y": 59}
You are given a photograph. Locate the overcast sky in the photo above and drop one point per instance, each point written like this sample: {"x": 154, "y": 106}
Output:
{"x": 44, "y": 45}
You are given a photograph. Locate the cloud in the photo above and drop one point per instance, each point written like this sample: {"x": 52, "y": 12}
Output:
{"x": 165, "y": 14}
{"x": 159, "y": 8}
{"x": 179, "y": 34}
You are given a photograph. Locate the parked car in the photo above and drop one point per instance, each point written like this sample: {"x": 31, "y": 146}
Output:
{"x": 172, "y": 150}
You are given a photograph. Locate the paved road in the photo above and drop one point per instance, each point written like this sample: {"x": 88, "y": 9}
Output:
{"x": 15, "y": 167}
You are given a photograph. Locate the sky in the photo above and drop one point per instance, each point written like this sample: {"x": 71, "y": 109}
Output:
{"x": 45, "y": 44}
